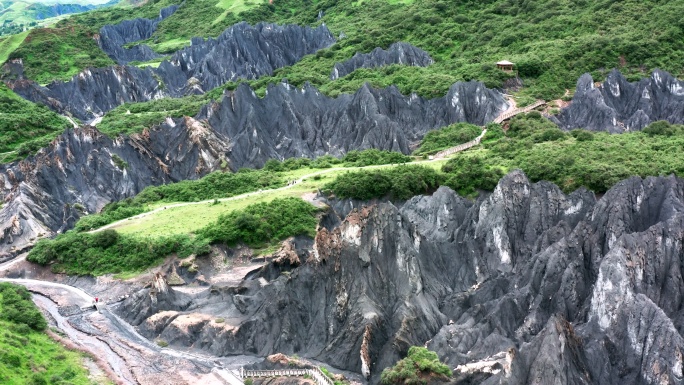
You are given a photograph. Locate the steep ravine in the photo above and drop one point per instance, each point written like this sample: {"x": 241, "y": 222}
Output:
{"x": 526, "y": 285}
{"x": 78, "y": 174}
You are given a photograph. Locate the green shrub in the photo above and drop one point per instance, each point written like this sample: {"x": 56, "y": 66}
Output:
{"x": 108, "y": 252}
{"x": 494, "y": 132}
{"x": 465, "y": 175}
{"x": 372, "y": 157}
{"x": 582, "y": 135}
{"x": 17, "y": 307}
{"x": 449, "y": 136}
{"x": 664, "y": 128}
{"x": 400, "y": 182}
{"x": 120, "y": 163}
{"x": 419, "y": 366}
{"x": 262, "y": 223}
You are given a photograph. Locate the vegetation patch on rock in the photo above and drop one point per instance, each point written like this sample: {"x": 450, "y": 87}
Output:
{"x": 419, "y": 367}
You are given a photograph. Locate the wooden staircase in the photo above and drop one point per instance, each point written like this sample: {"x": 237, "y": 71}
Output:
{"x": 499, "y": 119}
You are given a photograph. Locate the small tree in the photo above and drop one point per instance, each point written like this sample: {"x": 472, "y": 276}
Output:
{"x": 419, "y": 366}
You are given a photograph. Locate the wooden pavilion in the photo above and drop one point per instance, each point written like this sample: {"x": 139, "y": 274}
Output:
{"x": 505, "y": 66}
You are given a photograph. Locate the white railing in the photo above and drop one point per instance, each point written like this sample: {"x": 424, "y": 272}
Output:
{"x": 316, "y": 374}
{"x": 461, "y": 147}
{"x": 507, "y": 115}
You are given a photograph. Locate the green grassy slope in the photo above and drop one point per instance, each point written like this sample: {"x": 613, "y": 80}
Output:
{"x": 552, "y": 41}
{"x": 59, "y": 53}
{"x": 27, "y": 355}
{"x": 25, "y": 127}
{"x": 11, "y": 43}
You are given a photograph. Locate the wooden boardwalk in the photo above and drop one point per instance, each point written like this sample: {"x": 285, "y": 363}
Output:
{"x": 509, "y": 114}
{"x": 499, "y": 119}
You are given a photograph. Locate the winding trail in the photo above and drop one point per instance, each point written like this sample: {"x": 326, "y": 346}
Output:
{"x": 130, "y": 356}
{"x": 260, "y": 192}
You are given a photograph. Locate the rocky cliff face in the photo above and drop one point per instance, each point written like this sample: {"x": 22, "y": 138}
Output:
{"x": 242, "y": 51}
{"x": 397, "y": 53}
{"x": 78, "y": 174}
{"x": 113, "y": 37}
{"x": 242, "y": 130}
{"x": 524, "y": 286}
{"x": 290, "y": 122}
{"x": 618, "y": 106}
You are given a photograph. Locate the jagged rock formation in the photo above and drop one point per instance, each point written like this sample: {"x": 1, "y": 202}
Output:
{"x": 78, "y": 174}
{"x": 241, "y": 130}
{"x": 397, "y": 53}
{"x": 617, "y": 105}
{"x": 113, "y": 37}
{"x": 524, "y": 286}
{"x": 94, "y": 91}
{"x": 290, "y": 122}
{"x": 242, "y": 51}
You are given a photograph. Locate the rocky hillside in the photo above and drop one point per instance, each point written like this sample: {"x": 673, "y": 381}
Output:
{"x": 526, "y": 285}
{"x": 82, "y": 170}
{"x": 113, "y": 38}
{"x": 241, "y": 52}
{"x": 617, "y": 105}
{"x": 397, "y": 53}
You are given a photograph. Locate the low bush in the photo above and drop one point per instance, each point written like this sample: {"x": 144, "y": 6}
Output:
{"x": 419, "y": 366}
{"x": 17, "y": 307}
{"x": 262, "y": 223}
{"x": 664, "y": 128}
{"x": 450, "y": 136}
{"x": 465, "y": 175}
{"x": 400, "y": 182}
{"x": 109, "y": 252}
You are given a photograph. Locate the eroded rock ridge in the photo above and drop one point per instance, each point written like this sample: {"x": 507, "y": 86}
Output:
{"x": 80, "y": 168}
{"x": 113, "y": 38}
{"x": 617, "y": 105}
{"x": 240, "y": 52}
{"x": 397, "y": 53}
{"x": 524, "y": 286}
